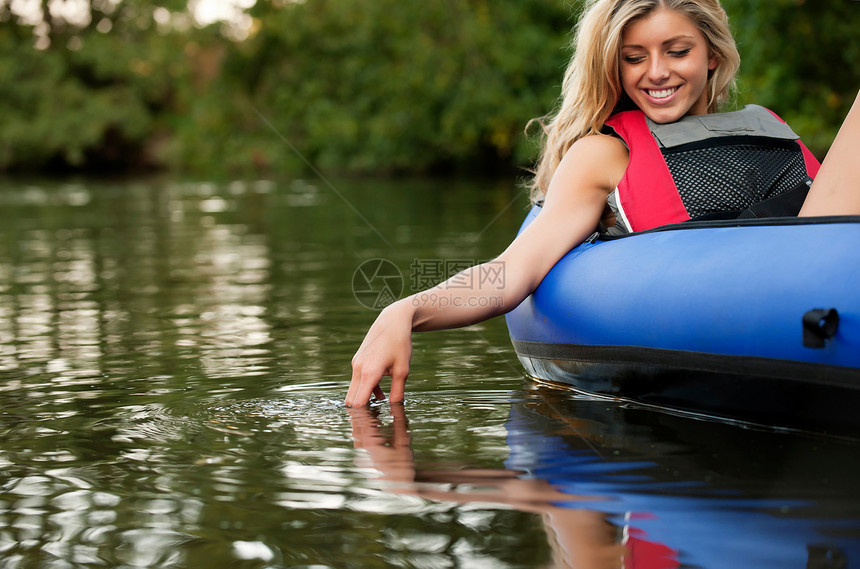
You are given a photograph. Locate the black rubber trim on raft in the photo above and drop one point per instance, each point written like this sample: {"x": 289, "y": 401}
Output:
{"x": 753, "y": 222}
{"x": 746, "y": 222}
{"x": 693, "y": 361}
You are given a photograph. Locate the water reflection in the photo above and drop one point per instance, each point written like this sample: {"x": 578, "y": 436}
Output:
{"x": 580, "y": 537}
{"x": 617, "y": 488}
{"x": 173, "y": 361}
{"x": 188, "y": 272}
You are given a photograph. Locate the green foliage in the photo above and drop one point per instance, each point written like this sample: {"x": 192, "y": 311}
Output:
{"x": 89, "y": 99}
{"x": 800, "y": 58}
{"x": 49, "y": 112}
{"x": 395, "y": 86}
{"x": 369, "y": 86}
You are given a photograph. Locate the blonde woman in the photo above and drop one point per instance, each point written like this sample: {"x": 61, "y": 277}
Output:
{"x": 624, "y": 151}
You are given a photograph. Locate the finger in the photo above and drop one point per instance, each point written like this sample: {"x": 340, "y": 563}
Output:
{"x": 353, "y": 387}
{"x": 360, "y": 386}
{"x": 378, "y": 394}
{"x": 398, "y": 386}
{"x": 366, "y": 384}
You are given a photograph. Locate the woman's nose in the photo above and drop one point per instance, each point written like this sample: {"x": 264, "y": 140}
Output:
{"x": 658, "y": 70}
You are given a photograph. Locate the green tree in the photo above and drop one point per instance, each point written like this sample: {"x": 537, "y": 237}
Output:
{"x": 85, "y": 94}
{"x": 370, "y": 86}
{"x": 800, "y": 58}
{"x": 395, "y": 86}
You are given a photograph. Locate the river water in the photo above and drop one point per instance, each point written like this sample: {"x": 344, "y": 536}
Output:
{"x": 173, "y": 360}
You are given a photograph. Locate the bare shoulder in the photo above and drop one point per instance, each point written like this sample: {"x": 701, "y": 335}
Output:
{"x": 598, "y": 161}
{"x": 600, "y": 143}
{"x": 600, "y": 150}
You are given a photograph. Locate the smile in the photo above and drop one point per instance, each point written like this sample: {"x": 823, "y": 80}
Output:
{"x": 661, "y": 93}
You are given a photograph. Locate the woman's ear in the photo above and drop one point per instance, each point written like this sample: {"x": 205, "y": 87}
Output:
{"x": 713, "y": 62}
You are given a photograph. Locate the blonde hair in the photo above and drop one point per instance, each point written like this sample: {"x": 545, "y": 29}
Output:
{"x": 591, "y": 90}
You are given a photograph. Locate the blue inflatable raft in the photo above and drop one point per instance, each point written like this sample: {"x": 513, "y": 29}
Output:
{"x": 757, "y": 320}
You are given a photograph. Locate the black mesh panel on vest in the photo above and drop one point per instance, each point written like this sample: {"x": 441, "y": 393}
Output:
{"x": 734, "y": 175}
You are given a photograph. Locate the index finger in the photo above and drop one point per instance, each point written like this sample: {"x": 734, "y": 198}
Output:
{"x": 361, "y": 386}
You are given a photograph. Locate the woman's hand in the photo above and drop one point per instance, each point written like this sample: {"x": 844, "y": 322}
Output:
{"x": 385, "y": 351}
{"x": 590, "y": 169}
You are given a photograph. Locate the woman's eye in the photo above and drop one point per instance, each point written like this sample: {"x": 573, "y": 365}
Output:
{"x": 679, "y": 52}
{"x": 633, "y": 58}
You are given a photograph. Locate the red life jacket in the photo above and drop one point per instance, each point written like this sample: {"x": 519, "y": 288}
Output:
{"x": 648, "y": 196}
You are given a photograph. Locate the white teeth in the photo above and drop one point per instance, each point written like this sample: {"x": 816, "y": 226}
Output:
{"x": 662, "y": 93}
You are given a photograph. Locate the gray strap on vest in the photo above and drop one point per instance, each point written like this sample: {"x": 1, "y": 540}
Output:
{"x": 752, "y": 120}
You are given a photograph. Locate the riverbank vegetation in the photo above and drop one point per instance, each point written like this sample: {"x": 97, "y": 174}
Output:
{"x": 353, "y": 87}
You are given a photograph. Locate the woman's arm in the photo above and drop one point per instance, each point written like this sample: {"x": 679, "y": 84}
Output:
{"x": 836, "y": 189}
{"x": 574, "y": 203}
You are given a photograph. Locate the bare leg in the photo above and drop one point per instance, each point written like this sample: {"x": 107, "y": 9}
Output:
{"x": 836, "y": 190}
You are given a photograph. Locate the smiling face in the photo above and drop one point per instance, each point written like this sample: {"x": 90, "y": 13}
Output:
{"x": 664, "y": 66}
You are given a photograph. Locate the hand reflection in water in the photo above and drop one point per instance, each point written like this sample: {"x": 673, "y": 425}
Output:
{"x": 579, "y": 538}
